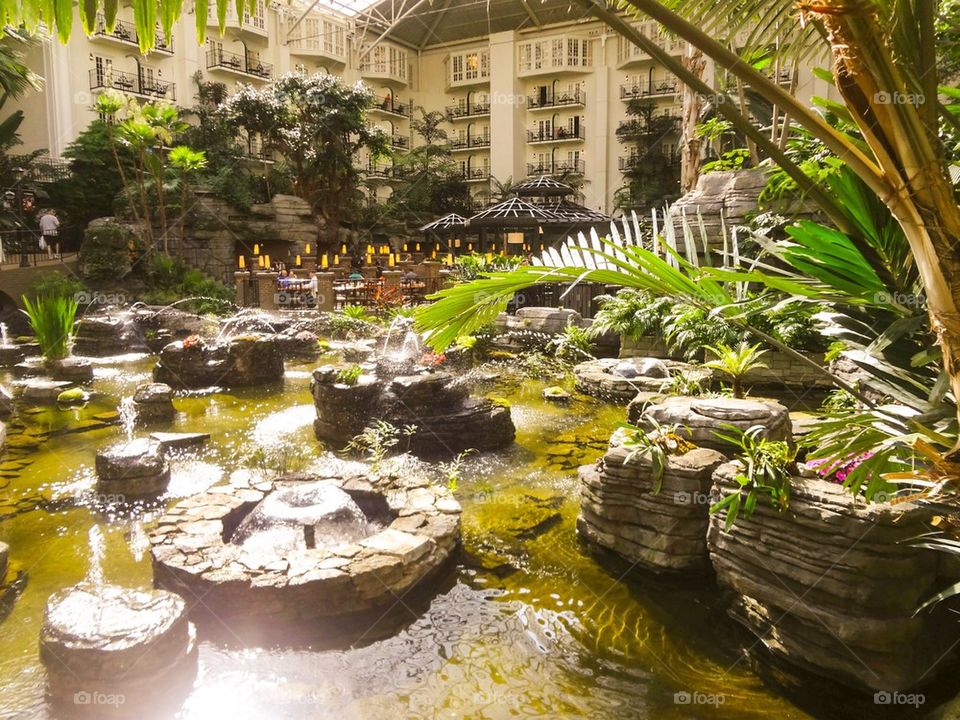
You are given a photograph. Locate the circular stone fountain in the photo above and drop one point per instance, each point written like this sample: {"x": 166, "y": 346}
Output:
{"x": 300, "y": 548}
{"x": 108, "y": 648}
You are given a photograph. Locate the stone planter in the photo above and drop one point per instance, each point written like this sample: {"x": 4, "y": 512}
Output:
{"x": 701, "y": 418}
{"x": 110, "y": 650}
{"x": 831, "y": 584}
{"x": 446, "y": 418}
{"x": 664, "y": 531}
{"x": 303, "y": 567}
{"x": 620, "y": 380}
{"x": 240, "y": 362}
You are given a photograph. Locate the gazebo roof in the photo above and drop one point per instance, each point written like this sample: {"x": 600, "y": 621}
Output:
{"x": 542, "y": 186}
{"x": 448, "y": 221}
{"x": 575, "y": 213}
{"x": 512, "y": 212}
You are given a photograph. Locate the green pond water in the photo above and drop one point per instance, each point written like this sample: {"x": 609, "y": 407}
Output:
{"x": 529, "y": 626}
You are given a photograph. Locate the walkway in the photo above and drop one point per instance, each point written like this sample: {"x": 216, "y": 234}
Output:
{"x": 16, "y": 281}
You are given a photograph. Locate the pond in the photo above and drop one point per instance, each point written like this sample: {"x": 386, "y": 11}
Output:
{"x": 528, "y": 625}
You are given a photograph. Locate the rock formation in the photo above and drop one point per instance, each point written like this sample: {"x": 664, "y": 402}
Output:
{"x": 238, "y": 362}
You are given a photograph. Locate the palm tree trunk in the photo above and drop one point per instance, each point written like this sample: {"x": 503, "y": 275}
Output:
{"x": 692, "y": 103}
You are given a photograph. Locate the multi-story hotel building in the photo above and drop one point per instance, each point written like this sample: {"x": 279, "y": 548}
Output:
{"x": 543, "y": 97}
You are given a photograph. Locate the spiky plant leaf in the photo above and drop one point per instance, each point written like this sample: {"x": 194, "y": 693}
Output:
{"x": 110, "y": 8}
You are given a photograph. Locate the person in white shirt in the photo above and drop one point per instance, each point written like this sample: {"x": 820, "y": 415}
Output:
{"x": 49, "y": 232}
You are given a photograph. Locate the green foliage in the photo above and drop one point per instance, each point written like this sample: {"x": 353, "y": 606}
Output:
{"x": 107, "y": 251}
{"x": 349, "y": 375}
{"x": 57, "y": 285}
{"x": 573, "y": 344}
{"x": 654, "y": 176}
{"x": 656, "y": 442}
{"x": 736, "y": 362}
{"x": 357, "y": 312}
{"x": 766, "y": 468}
{"x": 472, "y": 266}
{"x": 278, "y": 460}
{"x": 377, "y": 440}
{"x": 52, "y": 318}
{"x": 171, "y": 280}
{"x": 735, "y": 159}
{"x": 839, "y": 402}
{"x": 453, "y": 470}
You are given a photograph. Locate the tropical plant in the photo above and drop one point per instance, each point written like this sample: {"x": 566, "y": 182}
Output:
{"x": 653, "y": 175}
{"x": 171, "y": 280}
{"x": 655, "y": 441}
{"x": 52, "y": 318}
{"x": 349, "y": 375}
{"x": 736, "y": 362}
{"x": 377, "y": 440}
{"x": 294, "y": 117}
{"x": 357, "y": 312}
{"x": 766, "y": 467}
{"x": 187, "y": 163}
{"x": 574, "y": 344}
{"x": 453, "y": 470}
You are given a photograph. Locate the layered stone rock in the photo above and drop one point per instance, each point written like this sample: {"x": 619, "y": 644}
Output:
{"x": 701, "y": 418}
{"x": 239, "y": 362}
{"x": 159, "y": 326}
{"x": 299, "y": 344}
{"x": 446, "y": 419}
{"x": 532, "y": 327}
{"x": 133, "y": 469}
{"x": 663, "y": 530}
{"x": 6, "y": 402}
{"x": 619, "y": 380}
{"x": 41, "y": 391}
{"x": 108, "y": 649}
{"x": 276, "y": 549}
{"x": 69, "y": 369}
{"x": 153, "y": 403}
{"x": 102, "y": 335}
{"x": 831, "y": 584}
{"x": 10, "y": 355}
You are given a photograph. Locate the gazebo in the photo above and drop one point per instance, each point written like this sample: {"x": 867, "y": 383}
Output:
{"x": 518, "y": 221}
{"x": 450, "y": 228}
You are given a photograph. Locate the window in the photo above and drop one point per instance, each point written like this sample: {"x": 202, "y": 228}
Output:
{"x": 556, "y": 53}
{"x": 457, "y": 68}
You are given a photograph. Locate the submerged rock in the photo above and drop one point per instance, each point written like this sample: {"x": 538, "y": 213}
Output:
{"x": 555, "y": 394}
{"x": 108, "y": 649}
{"x": 134, "y": 469}
{"x": 69, "y": 369}
{"x": 178, "y": 441}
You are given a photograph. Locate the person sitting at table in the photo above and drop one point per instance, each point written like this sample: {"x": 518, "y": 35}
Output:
{"x": 410, "y": 276}
{"x": 355, "y": 275}
{"x": 284, "y": 280}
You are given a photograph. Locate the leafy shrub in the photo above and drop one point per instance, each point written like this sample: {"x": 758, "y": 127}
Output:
{"x": 52, "y": 319}
{"x": 357, "y": 312}
{"x": 736, "y": 362}
{"x": 170, "y": 280}
{"x": 107, "y": 251}
{"x": 57, "y": 285}
{"x": 349, "y": 375}
{"x": 573, "y": 344}
{"x": 474, "y": 265}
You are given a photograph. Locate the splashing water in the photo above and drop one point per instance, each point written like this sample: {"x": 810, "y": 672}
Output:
{"x": 245, "y": 321}
{"x": 409, "y": 341}
{"x": 128, "y": 417}
{"x": 96, "y": 543}
{"x": 4, "y": 338}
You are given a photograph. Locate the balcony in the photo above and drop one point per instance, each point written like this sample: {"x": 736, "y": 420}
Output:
{"x": 139, "y": 84}
{"x": 572, "y": 167}
{"x": 318, "y": 37}
{"x": 248, "y": 64}
{"x": 784, "y": 77}
{"x": 556, "y": 135}
{"x": 394, "y": 107}
{"x": 556, "y": 100}
{"x": 468, "y": 68}
{"x": 255, "y": 24}
{"x": 474, "y": 175}
{"x": 465, "y": 111}
{"x": 463, "y": 142}
{"x": 659, "y": 123}
{"x": 125, "y": 33}
{"x": 255, "y": 150}
{"x": 399, "y": 142}
{"x": 381, "y": 172}
{"x": 632, "y": 162}
{"x": 384, "y": 62}
{"x": 648, "y": 89}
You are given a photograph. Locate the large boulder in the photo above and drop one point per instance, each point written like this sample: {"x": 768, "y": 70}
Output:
{"x": 701, "y": 418}
{"x": 238, "y": 362}
{"x": 70, "y": 369}
{"x": 619, "y": 380}
{"x": 661, "y": 529}
{"x": 832, "y": 584}
{"x": 132, "y": 469}
{"x": 109, "y": 649}
{"x": 101, "y": 335}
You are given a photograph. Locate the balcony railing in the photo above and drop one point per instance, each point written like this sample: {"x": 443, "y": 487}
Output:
{"x": 457, "y": 112}
{"x": 126, "y": 32}
{"x": 248, "y": 63}
{"x": 631, "y": 162}
{"x": 393, "y": 106}
{"x": 572, "y": 167}
{"x": 663, "y": 122}
{"x": 400, "y": 141}
{"x": 476, "y": 141}
{"x": 560, "y": 134}
{"x": 134, "y": 83}
{"x": 382, "y": 171}
{"x": 556, "y": 99}
{"x": 646, "y": 88}
{"x": 474, "y": 174}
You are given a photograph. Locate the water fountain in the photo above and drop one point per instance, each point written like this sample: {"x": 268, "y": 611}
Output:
{"x": 110, "y": 650}
{"x": 341, "y": 542}
{"x": 401, "y": 388}
{"x": 10, "y": 354}
{"x": 108, "y": 333}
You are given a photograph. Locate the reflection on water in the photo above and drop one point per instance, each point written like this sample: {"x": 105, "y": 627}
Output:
{"x": 531, "y": 627}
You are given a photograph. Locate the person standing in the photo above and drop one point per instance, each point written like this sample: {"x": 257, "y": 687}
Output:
{"x": 49, "y": 232}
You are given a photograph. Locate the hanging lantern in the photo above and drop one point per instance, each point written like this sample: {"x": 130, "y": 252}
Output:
{"x": 256, "y": 248}
{"x": 417, "y": 247}
{"x": 456, "y": 242}
{"x": 336, "y": 259}
{"x": 392, "y": 260}
{"x": 470, "y": 247}
{"x": 306, "y": 250}
{"x": 324, "y": 261}
{"x": 260, "y": 261}
{"x": 433, "y": 255}
{"x": 266, "y": 261}
{"x": 405, "y": 247}
{"x": 343, "y": 249}
{"x": 450, "y": 259}
{"x": 298, "y": 261}
{"x": 242, "y": 263}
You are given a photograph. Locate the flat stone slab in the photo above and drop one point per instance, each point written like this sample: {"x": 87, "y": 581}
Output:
{"x": 619, "y": 380}
{"x": 136, "y": 468}
{"x": 42, "y": 391}
{"x": 701, "y": 418}
{"x": 177, "y": 441}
